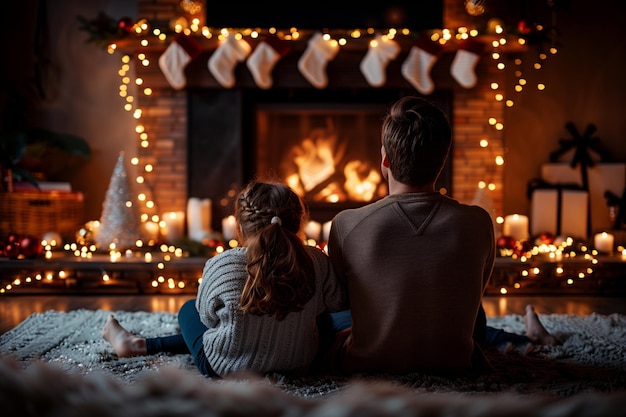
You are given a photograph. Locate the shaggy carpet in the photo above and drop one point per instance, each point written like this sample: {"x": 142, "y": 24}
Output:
{"x": 591, "y": 360}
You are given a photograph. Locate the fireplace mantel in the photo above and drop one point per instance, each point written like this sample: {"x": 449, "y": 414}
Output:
{"x": 343, "y": 71}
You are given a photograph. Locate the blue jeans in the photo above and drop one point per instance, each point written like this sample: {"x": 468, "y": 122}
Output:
{"x": 497, "y": 337}
{"x": 188, "y": 341}
{"x": 484, "y": 335}
{"x": 340, "y": 320}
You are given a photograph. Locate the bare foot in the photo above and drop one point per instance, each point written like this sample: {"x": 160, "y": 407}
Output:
{"x": 525, "y": 348}
{"x": 125, "y": 344}
{"x": 535, "y": 330}
{"x": 505, "y": 348}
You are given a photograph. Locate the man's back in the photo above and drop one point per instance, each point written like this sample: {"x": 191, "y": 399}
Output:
{"x": 415, "y": 266}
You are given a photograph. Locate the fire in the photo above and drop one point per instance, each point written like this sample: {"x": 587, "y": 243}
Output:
{"x": 361, "y": 182}
{"x": 314, "y": 159}
{"x": 318, "y": 171}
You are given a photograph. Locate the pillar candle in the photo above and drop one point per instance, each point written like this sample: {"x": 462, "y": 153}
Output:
{"x": 603, "y": 242}
{"x": 313, "y": 230}
{"x": 516, "y": 226}
{"x": 198, "y": 218}
{"x": 94, "y": 227}
{"x": 172, "y": 225}
{"x": 228, "y": 227}
{"x": 326, "y": 231}
{"x": 152, "y": 230}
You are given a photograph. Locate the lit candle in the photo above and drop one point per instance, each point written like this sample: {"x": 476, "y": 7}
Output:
{"x": 603, "y": 242}
{"x": 152, "y": 230}
{"x": 326, "y": 231}
{"x": 228, "y": 227}
{"x": 172, "y": 225}
{"x": 313, "y": 230}
{"x": 94, "y": 227}
{"x": 198, "y": 218}
{"x": 516, "y": 226}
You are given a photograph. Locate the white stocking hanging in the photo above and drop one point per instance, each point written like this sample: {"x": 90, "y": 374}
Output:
{"x": 416, "y": 68}
{"x": 223, "y": 61}
{"x": 263, "y": 59}
{"x": 373, "y": 66}
{"x": 465, "y": 60}
{"x": 173, "y": 61}
{"x": 312, "y": 64}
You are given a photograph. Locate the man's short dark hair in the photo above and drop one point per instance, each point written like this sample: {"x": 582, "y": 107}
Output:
{"x": 417, "y": 137}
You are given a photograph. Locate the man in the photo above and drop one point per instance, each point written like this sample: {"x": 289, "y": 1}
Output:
{"x": 415, "y": 263}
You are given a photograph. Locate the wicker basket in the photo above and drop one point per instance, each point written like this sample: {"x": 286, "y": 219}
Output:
{"x": 36, "y": 213}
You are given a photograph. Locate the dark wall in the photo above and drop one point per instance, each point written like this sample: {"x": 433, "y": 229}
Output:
{"x": 585, "y": 84}
{"x": 415, "y": 15}
{"x": 80, "y": 81}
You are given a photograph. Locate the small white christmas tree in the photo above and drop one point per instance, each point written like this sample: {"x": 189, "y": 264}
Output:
{"x": 119, "y": 221}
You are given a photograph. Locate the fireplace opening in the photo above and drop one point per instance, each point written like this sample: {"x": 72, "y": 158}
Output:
{"x": 324, "y": 143}
{"x": 326, "y": 152}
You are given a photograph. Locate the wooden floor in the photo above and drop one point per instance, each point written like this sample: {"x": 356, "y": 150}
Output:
{"x": 15, "y": 308}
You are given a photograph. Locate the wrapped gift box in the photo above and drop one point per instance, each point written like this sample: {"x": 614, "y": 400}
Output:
{"x": 601, "y": 177}
{"x": 559, "y": 211}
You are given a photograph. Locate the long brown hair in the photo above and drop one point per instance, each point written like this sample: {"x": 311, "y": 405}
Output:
{"x": 280, "y": 271}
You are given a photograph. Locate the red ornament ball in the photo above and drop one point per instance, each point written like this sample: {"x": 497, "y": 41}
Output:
{"x": 30, "y": 247}
{"x": 17, "y": 246}
{"x": 13, "y": 238}
{"x": 12, "y": 250}
{"x": 126, "y": 24}
{"x": 546, "y": 238}
{"x": 505, "y": 242}
{"x": 524, "y": 27}
{"x": 522, "y": 248}
{"x": 211, "y": 243}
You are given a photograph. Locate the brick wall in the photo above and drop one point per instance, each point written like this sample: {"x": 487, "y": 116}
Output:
{"x": 165, "y": 120}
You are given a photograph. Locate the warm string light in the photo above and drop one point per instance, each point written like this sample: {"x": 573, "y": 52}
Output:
{"x": 130, "y": 105}
{"x": 521, "y": 80}
{"x": 338, "y": 39}
{"x": 497, "y": 56}
{"x": 553, "y": 252}
{"x": 168, "y": 253}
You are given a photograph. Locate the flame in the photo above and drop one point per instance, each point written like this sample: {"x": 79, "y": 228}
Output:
{"x": 361, "y": 187}
{"x": 319, "y": 167}
{"x": 314, "y": 159}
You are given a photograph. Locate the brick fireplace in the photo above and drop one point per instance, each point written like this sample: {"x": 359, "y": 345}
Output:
{"x": 204, "y": 145}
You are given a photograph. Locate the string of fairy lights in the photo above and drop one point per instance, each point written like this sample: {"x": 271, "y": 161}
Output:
{"x": 147, "y": 36}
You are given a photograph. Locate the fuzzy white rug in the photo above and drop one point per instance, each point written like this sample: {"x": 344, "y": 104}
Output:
{"x": 592, "y": 358}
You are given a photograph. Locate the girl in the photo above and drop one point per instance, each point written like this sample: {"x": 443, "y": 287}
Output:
{"x": 257, "y": 305}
